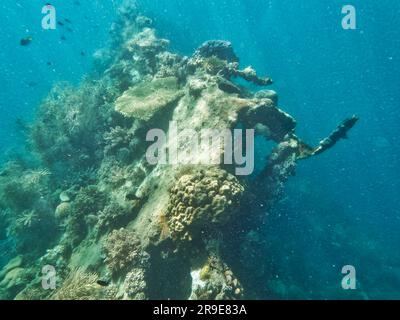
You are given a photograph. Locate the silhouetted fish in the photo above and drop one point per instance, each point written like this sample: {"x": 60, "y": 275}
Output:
{"x": 67, "y": 20}
{"x": 48, "y": 63}
{"x": 25, "y": 41}
{"x": 63, "y": 38}
{"x": 103, "y": 283}
{"x": 21, "y": 125}
{"x": 32, "y": 84}
{"x": 60, "y": 23}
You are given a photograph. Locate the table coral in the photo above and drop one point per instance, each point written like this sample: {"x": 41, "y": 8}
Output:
{"x": 147, "y": 98}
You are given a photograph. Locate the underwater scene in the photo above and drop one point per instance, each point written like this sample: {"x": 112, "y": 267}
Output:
{"x": 199, "y": 150}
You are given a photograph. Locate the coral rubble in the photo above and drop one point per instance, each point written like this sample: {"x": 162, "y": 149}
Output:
{"x": 117, "y": 227}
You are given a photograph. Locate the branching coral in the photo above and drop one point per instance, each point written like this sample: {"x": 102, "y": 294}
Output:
{"x": 122, "y": 249}
{"x": 140, "y": 54}
{"x": 69, "y": 120}
{"x": 120, "y": 138}
{"x": 30, "y": 229}
{"x": 20, "y": 189}
{"x": 215, "y": 280}
{"x": 89, "y": 200}
{"x": 170, "y": 65}
{"x": 218, "y": 57}
{"x": 26, "y": 205}
{"x": 118, "y": 176}
{"x": 123, "y": 252}
{"x": 213, "y": 65}
{"x": 115, "y": 215}
{"x": 217, "y": 48}
{"x": 147, "y": 42}
{"x": 27, "y": 219}
{"x": 145, "y": 46}
{"x": 34, "y": 177}
{"x": 135, "y": 284}
{"x": 201, "y": 199}
{"x": 87, "y": 204}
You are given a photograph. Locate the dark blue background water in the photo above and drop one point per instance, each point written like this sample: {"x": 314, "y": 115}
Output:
{"x": 322, "y": 74}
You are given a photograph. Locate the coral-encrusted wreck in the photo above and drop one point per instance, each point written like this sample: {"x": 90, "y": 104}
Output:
{"x": 114, "y": 226}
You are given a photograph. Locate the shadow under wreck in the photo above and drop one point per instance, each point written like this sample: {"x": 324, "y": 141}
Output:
{"x": 118, "y": 227}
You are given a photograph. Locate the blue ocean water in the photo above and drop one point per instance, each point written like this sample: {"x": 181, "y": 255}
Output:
{"x": 322, "y": 74}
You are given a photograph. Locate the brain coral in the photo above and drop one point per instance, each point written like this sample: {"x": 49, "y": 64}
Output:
{"x": 201, "y": 199}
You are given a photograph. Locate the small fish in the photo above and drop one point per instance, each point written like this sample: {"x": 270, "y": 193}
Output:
{"x": 21, "y": 125}
{"x": 60, "y": 23}
{"x": 83, "y": 53}
{"x": 103, "y": 283}
{"x": 48, "y": 63}
{"x": 63, "y": 38}
{"x": 32, "y": 84}
{"x": 26, "y": 41}
{"x": 67, "y": 20}
{"x": 70, "y": 30}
